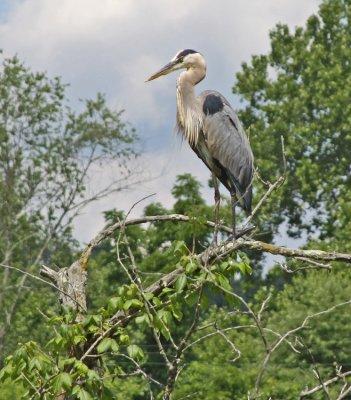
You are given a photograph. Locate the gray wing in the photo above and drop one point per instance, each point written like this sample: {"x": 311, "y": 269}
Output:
{"x": 228, "y": 146}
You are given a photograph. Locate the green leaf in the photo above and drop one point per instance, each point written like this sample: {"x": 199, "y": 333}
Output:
{"x": 180, "y": 283}
{"x": 167, "y": 290}
{"x": 107, "y": 344}
{"x": 79, "y": 339}
{"x": 62, "y": 381}
{"x": 165, "y": 316}
{"x": 135, "y": 352}
{"x": 81, "y": 393}
{"x": 35, "y": 363}
{"x": 191, "y": 267}
{"x": 157, "y": 301}
{"x": 176, "y": 310}
{"x": 165, "y": 333}
{"x": 124, "y": 339}
{"x": 114, "y": 304}
{"x": 133, "y": 303}
{"x": 223, "y": 281}
{"x": 93, "y": 375}
{"x": 142, "y": 319}
{"x": 244, "y": 268}
{"x": 148, "y": 295}
{"x": 180, "y": 248}
{"x": 81, "y": 368}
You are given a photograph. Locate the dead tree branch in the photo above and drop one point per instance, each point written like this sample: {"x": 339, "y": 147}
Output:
{"x": 308, "y": 392}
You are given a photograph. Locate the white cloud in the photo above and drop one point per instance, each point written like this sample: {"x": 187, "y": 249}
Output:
{"x": 162, "y": 167}
{"x": 113, "y": 45}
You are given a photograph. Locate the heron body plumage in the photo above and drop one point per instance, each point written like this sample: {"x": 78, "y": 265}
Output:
{"x": 214, "y": 132}
{"x": 212, "y": 128}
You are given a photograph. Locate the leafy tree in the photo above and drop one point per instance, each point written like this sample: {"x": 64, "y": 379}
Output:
{"x": 326, "y": 338}
{"x": 47, "y": 156}
{"x": 300, "y": 90}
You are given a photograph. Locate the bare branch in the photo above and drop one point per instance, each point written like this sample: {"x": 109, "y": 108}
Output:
{"x": 316, "y": 370}
{"x": 109, "y": 230}
{"x": 271, "y": 186}
{"x": 231, "y": 344}
{"x": 173, "y": 369}
{"x": 284, "y": 336}
{"x": 308, "y": 392}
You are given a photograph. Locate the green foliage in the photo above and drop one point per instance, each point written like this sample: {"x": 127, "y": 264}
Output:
{"x": 46, "y": 155}
{"x": 326, "y": 336}
{"x": 300, "y": 90}
{"x": 49, "y": 369}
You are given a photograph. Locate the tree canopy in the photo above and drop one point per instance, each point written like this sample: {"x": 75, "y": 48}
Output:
{"x": 300, "y": 90}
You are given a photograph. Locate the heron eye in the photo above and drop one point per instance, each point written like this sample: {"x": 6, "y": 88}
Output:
{"x": 180, "y": 59}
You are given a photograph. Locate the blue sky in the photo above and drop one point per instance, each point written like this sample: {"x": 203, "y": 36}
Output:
{"x": 4, "y": 8}
{"x": 111, "y": 46}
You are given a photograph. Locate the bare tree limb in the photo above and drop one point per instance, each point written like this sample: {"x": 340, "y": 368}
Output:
{"x": 308, "y": 392}
{"x": 109, "y": 230}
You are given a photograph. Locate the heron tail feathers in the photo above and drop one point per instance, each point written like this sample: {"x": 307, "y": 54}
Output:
{"x": 244, "y": 195}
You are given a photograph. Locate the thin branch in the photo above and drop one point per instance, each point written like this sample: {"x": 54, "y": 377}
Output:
{"x": 271, "y": 187}
{"x": 344, "y": 392}
{"x": 31, "y": 384}
{"x": 316, "y": 370}
{"x": 140, "y": 370}
{"x": 173, "y": 370}
{"x": 138, "y": 283}
{"x": 289, "y": 333}
{"x": 308, "y": 392}
{"x": 231, "y": 344}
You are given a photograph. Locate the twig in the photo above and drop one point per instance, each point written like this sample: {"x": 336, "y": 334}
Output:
{"x": 263, "y": 307}
{"x": 200, "y": 339}
{"x": 271, "y": 187}
{"x": 289, "y": 333}
{"x": 344, "y": 392}
{"x": 231, "y": 344}
{"x": 31, "y": 384}
{"x": 308, "y": 392}
{"x": 141, "y": 371}
{"x": 173, "y": 370}
{"x": 138, "y": 283}
{"x": 316, "y": 370}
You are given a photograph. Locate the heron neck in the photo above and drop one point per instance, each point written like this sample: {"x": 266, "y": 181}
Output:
{"x": 189, "y": 109}
{"x": 185, "y": 93}
{"x": 187, "y": 81}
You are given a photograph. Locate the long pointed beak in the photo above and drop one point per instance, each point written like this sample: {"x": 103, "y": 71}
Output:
{"x": 168, "y": 68}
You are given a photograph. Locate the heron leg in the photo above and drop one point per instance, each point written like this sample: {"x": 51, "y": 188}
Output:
{"x": 217, "y": 198}
{"x": 233, "y": 203}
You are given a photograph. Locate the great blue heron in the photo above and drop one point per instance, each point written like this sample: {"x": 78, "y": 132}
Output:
{"x": 213, "y": 131}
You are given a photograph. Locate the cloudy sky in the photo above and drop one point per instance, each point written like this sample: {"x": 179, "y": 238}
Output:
{"x": 111, "y": 46}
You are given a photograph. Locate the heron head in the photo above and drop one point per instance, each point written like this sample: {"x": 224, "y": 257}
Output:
{"x": 184, "y": 59}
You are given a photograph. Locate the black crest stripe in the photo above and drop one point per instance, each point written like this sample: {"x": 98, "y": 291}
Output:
{"x": 185, "y": 52}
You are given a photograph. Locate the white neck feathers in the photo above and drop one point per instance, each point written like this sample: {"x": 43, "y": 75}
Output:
{"x": 189, "y": 108}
